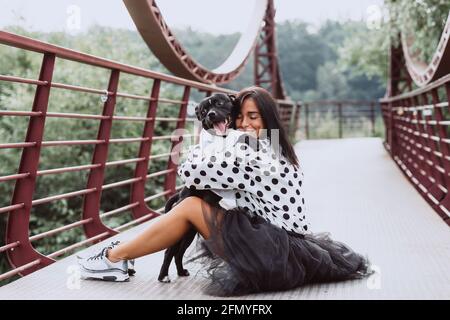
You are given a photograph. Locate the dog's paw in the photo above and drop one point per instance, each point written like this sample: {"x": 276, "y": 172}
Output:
{"x": 131, "y": 272}
{"x": 165, "y": 279}
{"x": 183, "y": 273}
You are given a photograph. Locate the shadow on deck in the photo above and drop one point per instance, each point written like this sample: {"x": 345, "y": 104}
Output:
{"x": 352, "y": 189}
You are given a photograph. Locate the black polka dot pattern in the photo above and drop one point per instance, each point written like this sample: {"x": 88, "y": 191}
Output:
{"x": 267, "y": 186}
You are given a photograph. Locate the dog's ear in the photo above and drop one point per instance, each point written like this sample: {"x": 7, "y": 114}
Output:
{"x": 197, "y": 112}
{"x": 232, "y": 98}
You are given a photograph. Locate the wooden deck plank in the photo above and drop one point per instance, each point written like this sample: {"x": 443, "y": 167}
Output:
{"x": 354, "y": 191}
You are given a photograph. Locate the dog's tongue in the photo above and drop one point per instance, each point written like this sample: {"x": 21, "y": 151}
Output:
{"x": 220, "y": 128}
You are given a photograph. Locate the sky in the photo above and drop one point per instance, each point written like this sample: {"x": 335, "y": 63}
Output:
{"x": 214, "y": 16}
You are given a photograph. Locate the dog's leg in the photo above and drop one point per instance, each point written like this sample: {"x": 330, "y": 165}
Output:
{"x": 168, "y": 255}
{"x": 170, "y": 252}
{"x": 185, "y": 243}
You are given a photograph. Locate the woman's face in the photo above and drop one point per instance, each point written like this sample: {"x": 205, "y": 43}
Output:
{"x": 249, "y": 118}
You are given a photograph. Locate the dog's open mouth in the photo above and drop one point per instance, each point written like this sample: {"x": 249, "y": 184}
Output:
{"x": 221, "y": 127}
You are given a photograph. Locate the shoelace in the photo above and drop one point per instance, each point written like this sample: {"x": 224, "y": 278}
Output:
{"x": 113, "y": 244}
{"x": 103, "y": 252}
{"x": 99, "y": 255}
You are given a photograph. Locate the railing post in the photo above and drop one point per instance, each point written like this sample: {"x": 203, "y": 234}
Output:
{"x": 435, "y": 191}
{"x": 91, "y": 205}
{"x": 385, "y": 114}
{"x": 408, "y": 132}
{"x": 297, "y": 119}
{"x": 391, "y": 139}
{"x": 171, "y": 177}
{"x": 307, "y": 120}
{"x": 340, "y": 119}
{"x": 292, "y": 120}
{"x": 372, "y": 117}
{"x": 401, "y": 133}
{"x": 19, "y": 219}
{"x": 138, "y": 188}
{"x": 444, "y": 150}
{"x": 423, "y": 161}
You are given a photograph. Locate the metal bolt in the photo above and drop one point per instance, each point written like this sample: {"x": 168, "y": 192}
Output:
{"x": 104, "y": 97}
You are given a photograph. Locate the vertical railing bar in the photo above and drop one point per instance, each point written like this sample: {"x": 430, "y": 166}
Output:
{"x": 91, "y": 205}
{"x": 392, "y": 130}
{"x": 170, "y": 180}
{"x": 435, "y": 191}
{"x": 408, "y": 154}
{"x": 423, "y": 153}
{"x": 307, "y": 120}
{"x": 138, "y": 189}
{"x": 372, "y": 117}
{"x": 18, "y": 221}
{"x": 292, "y": 120}
{"x": 298, "y": 118}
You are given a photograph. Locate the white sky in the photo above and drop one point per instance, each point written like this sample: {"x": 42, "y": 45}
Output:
{"x": 215, "y": 16}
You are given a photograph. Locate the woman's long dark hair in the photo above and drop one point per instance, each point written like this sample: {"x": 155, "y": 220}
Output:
{"x": 268, "y": 109}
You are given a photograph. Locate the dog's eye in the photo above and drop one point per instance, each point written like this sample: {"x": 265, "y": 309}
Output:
{"x": 220, "y": 103}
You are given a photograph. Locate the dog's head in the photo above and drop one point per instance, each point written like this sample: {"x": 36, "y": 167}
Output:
{"x": 216, "y": 111}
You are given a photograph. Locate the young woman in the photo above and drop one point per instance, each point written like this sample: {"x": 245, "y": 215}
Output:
{"x": 257, "y": 239}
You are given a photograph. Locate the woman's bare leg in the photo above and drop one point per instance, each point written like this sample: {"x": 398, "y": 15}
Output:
{"x": 166, "y": 231}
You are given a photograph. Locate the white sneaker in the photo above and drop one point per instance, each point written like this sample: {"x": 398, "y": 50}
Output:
{"x": 131, "y": 269}
{"x": 99, "y": 267}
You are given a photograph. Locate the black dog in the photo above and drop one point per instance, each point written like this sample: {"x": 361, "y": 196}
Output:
{"x": 216, "y": 112}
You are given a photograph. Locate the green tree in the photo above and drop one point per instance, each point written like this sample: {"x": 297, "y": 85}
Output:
{"x": 367, "y": 50}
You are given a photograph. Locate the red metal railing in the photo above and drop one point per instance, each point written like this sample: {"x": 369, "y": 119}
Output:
{"x": 417, "y": 127}
{"x": 333, "y": 116}
{"x": 18, "y": 247}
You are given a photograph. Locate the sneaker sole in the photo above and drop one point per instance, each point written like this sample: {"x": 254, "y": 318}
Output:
{"x": 113, "y": 277}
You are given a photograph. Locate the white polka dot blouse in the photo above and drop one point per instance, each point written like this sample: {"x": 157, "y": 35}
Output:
{"x": 250, "y": 175}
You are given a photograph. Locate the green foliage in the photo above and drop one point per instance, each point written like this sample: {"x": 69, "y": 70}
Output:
{"x": 307, "y": 54}
{"x": 422, "y": 21}
{"x": 312, "y": 67}
{"x": 366, "y": 53}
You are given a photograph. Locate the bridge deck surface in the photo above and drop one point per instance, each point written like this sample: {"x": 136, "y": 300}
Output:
{"x": 353, "y": 190}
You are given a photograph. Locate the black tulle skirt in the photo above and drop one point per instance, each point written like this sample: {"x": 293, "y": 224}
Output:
{"x": 245, "y": 254}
